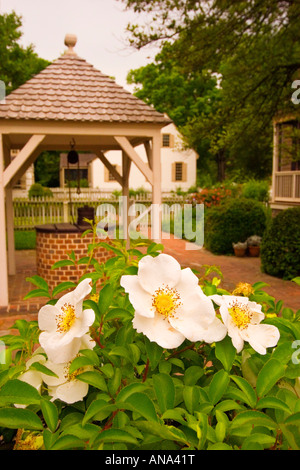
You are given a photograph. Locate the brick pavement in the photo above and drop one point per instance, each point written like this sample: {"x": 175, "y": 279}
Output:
{"x": 234, "y": 270}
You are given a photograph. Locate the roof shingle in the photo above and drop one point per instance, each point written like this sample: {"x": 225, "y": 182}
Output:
{"x": 71, "y": 89}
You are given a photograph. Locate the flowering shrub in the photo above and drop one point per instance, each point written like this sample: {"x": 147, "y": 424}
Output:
{"x": 152, "y": 358}
{"x": 210, "y": 196}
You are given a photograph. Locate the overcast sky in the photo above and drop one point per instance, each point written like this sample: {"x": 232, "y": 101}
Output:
{"x": 98, "y": 24}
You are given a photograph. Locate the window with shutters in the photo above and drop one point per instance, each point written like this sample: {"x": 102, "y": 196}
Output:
{"x": 166, "y": 140}
{"x": 178, "y": 171}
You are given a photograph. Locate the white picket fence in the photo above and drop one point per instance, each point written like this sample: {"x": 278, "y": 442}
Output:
{"x": 38, "y": 211}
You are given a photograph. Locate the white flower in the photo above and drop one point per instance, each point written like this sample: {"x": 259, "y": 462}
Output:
{"x": 243, "y": 321}
{"x": 31, "y": 376}
{"x": 64, "y": 324}
{"x": 170, "y": 305}
{"x": 66, "y": 386}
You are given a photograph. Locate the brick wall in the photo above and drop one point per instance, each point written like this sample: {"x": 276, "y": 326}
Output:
{"x": 54, "y": 246}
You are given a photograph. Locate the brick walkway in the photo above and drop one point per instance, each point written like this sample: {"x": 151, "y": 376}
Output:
{"x": 234, "y": 270}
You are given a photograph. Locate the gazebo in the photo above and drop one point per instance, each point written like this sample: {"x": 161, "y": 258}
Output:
{"x": 72, "y": 103}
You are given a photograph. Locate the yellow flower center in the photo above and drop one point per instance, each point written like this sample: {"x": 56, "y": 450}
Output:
{"x": 166, "y": 301}
{"x": 66, "y": 318}
{"x": 240, "y": 314}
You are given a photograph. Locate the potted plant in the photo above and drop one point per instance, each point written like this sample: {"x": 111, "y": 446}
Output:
{"x": 240, "y": 248}
{"x": 253, "y": 243}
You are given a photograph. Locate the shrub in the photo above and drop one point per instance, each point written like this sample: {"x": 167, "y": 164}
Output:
{"x": 37, "y": 190}
{"x": 210, "y": 197}
{"x": 232, "y": 222}
{"x": 258, "y": 190}
{"x": 280, "y": 248}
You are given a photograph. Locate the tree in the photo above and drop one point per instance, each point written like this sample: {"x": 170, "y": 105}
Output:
{"x": 255, "y": 47}
{"x": 18, "y": 64}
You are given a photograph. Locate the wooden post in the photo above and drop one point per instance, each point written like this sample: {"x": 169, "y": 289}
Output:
{"x": 4, "y": 300}
{"x": 11, "y": 257}
{"x": 126, "y": 163}
{"x": 156, "y": 188}
{"x": 275, "y": 159}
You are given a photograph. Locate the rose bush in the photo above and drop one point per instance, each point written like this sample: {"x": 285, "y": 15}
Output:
{"x": 145, "y": 355}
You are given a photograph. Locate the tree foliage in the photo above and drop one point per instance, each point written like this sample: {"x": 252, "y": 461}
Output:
{"x": 18, "y": 64}
{"x": 252, "y": 45}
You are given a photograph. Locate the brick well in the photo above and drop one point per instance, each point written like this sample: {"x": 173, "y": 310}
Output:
{"x": 54, "y": 242}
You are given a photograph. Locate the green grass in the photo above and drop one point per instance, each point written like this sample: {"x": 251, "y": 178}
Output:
{"x": 25, "y": 239}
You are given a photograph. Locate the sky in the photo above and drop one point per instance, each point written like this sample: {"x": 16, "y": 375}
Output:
{"x": 100, "y": 27}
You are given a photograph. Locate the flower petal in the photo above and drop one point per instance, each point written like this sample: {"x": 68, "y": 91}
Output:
{"x": 138, "y": 297}
{"x": 156, "y": 272}
{"x": 158, "y": 330}
{"x": 197, "y": 321}
{"x": 46, "y": 318}
{"x": 261, "y": 337}
{"x": 59, "y": 348}
{"x": 72, "y": 391}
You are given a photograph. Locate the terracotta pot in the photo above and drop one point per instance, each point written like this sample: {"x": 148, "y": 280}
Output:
{"x": 254, "y": 250}
{"x": 239, "y": 252}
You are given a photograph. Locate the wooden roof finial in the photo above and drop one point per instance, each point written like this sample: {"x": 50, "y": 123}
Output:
{"x": 70, "y": 42}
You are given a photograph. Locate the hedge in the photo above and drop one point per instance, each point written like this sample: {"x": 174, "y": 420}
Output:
{"x": 232, "y": 222}
{"x": 280, "y": 248}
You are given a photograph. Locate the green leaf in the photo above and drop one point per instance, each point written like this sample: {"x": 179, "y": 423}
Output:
{"x": 271, "y": 372}
{"x": 249, "y": 393}
{"x": 191, "y": 397}
{"x": 225, "y": 352}
{"x": 19, "y": 418}
{"x": 39, "y": 282}
{"x": 252, "y": 418}
{"x": 273, "y": 403}
{"x": 129, "y": 390}
{"x": 62, "y": 287}
{"x": 258, "y": 439}
{"x": 37, "y": 293}
{"x": 79, "y": 362}
{"x": 165, "y": 391}
{"x": 105, "y": 298}
{"x": 219, "y": 446}
{"x": 164, "y": 432}
{"x": 193, "y": 374}
{"x": 99, "y": 408}
{"x": 41, "y": 368}
{"x": 154, "y": 352}
{"x": 67, "y": 441}
{"x": 202, "y": 429}
{"x": 62, "y": 263}
{"x": 18, "y": 392}
{"x": 116, "y": 435}
{"x": 142, "y": 404}
{"x": 50, "y": 414}
{"x": 218, "y": 386}
{"x": 296, "y": 280}
{"x": 93, "y": 378}
{"x": 120, "y": 313}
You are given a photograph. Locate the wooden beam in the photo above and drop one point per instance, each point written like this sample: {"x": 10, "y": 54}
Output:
{"x": 132, "y": 154}
{"x": 4, "y": 300}
{"x": 20, "y": 160}
{"x": 148, "y": 150}
{"x": 126, "y": 164}
{"x": 156, "y": 189}
{"x": 109, "y": 166}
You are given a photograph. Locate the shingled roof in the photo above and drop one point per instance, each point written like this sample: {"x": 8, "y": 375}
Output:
{"x": 71, "y": 89}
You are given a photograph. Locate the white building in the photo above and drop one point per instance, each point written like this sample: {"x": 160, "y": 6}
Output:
{"x": 179, "y": 166}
